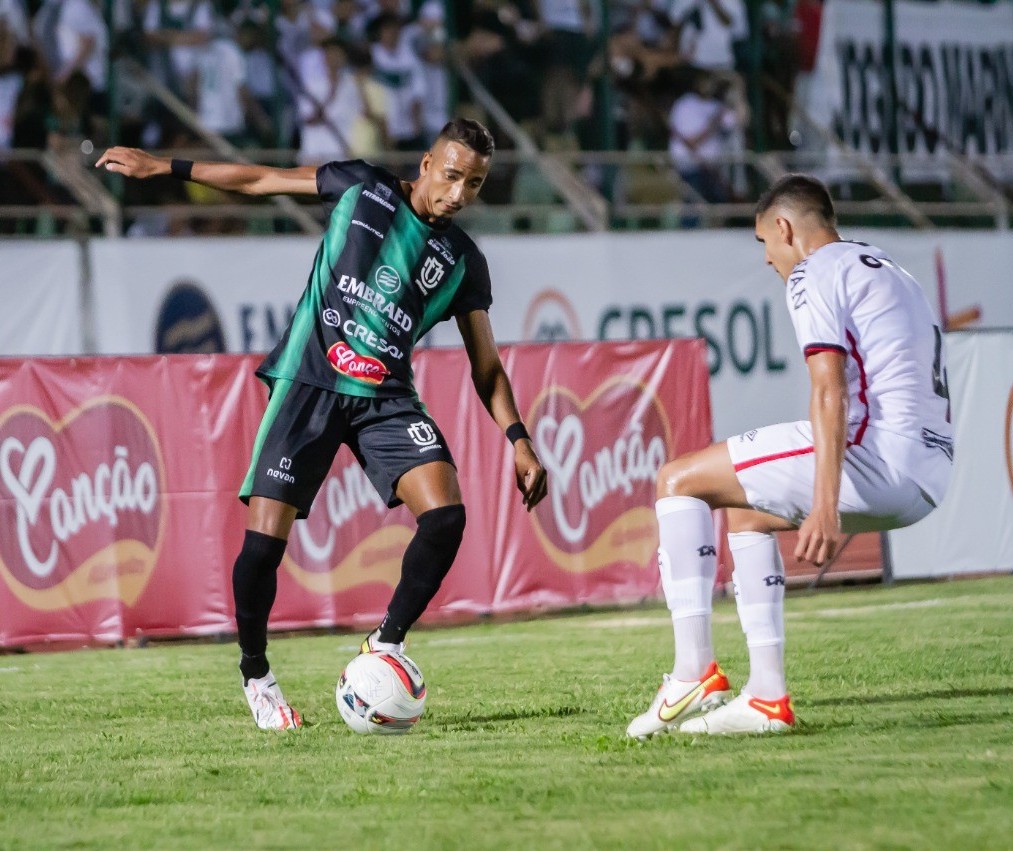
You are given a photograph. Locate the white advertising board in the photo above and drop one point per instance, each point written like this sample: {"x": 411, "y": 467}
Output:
{"x": 195, "y": 294}
{"x": 952, "y": 63}
{"x": 41, "y": 287}
{"x": 972, "y": 531}
{"x": 238, "y": 294}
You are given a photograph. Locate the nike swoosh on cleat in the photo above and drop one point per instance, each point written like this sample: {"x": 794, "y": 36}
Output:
{"x": 676, "y": 707}
{"x": 771, "y": 710}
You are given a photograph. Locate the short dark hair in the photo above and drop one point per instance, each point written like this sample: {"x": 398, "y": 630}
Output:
{"x": 801, "y": 192}
{"x": 470, "y": 133}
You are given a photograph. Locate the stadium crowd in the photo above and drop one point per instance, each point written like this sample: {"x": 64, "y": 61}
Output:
{"x": 333, "y": 79}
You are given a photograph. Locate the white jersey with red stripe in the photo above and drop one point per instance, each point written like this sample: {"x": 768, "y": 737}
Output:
{"x": 851, "y": 298}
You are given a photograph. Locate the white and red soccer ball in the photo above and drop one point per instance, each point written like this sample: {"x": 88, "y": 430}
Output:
{"x": 381, "y": 693}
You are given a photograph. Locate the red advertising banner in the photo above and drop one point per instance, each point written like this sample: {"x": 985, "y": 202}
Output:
{"x": 118, "y": 480}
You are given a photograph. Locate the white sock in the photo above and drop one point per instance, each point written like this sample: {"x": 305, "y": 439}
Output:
{"x": 687, "y": 559}
{"x": 759, "y": 597}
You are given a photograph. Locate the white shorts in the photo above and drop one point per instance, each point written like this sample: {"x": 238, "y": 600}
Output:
{"x": 776, "y": 467}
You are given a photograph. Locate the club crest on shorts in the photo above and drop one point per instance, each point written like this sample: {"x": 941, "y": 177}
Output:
{"x": 422, "y": 434}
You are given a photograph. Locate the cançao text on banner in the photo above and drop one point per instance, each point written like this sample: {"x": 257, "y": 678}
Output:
{"x": 972, "y": 531}
{"x": 118, "y": 483}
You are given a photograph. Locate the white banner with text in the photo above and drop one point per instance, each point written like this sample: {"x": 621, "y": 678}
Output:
{"x": 953, "y": 66}
{"x": 236, "y": 295}
{"x": 972, "y": 531}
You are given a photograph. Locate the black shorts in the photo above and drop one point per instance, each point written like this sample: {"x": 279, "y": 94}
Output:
{"x": 304, "y": 426}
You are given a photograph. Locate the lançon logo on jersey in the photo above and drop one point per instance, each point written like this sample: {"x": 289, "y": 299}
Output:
{"x": 82, "y": 501}
{"x": 349, "y": 362}
{"x": 602, "y": 465}
{"x": 387, "y": 279}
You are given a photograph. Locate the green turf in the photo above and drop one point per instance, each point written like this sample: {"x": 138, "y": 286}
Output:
{"x": 905, "y": 740}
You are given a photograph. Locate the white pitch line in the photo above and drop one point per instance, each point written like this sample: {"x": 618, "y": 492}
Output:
{"x": 663, "y": 619}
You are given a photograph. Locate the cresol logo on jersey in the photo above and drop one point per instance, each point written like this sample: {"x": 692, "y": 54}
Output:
{"x": 350, "y": 539}
{"x": 82, "y": 500}
{"x": 602, "y": 454}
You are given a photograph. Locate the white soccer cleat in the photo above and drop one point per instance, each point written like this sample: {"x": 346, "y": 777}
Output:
{"x": 372, "y": 644}
{"x": 745, "y": 714}
{"x": 270, "y": 709}
{"x": 678, "y": 700}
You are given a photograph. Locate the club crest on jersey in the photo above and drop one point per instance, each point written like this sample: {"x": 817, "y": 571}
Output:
{"x": 349, "y": 362}
{"x": 430, "y": 275}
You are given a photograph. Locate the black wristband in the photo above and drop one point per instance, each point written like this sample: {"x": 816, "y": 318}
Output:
{"x": 181, "y": 169}
{"x": 516, "y": 432}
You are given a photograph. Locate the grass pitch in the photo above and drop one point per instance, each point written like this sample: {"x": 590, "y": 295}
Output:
{"x": 905, "y": 739}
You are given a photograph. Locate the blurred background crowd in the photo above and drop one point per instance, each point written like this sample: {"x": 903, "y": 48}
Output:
{"x": 331, "y": 79}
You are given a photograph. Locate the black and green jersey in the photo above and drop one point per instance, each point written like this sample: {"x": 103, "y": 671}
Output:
{"x": 381, "y": 278}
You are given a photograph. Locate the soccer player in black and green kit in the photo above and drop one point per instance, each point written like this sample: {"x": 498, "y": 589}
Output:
{"x": 390, "y": 266}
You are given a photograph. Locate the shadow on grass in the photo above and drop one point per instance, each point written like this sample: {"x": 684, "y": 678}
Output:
{"x": 512, "y": 715}
{"x": 910, "y": 697}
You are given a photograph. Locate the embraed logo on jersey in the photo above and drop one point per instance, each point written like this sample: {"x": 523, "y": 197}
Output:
{"x": 80, "y": 502}
{"x": 349, "y": 362}
{"x": 602, "y": 468}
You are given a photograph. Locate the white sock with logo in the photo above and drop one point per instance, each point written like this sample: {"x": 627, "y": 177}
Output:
{"x": 759, "y": 597}
{"x": 687, "y": 559}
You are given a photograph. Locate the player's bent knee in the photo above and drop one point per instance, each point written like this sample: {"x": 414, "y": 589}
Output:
{"x": 445, "y": 523}
{"x": 675, "y": 479}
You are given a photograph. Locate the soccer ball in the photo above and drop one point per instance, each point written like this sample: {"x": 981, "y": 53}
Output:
{"x": 381, "y": 693}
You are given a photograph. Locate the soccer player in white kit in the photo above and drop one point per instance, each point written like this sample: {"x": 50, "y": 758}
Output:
{"x": 876, "y": 453}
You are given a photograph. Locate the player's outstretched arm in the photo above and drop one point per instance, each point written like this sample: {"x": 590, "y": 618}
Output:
{"x": 493, "y": 387}
{"x": 820, "y": 533}
{"x": 232, "y": 177}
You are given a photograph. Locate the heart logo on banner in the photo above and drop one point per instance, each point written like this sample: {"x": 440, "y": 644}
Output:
{"x": 602, "y": 454}
{"x": 81, "y": 503}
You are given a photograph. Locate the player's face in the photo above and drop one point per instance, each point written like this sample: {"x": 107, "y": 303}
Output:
{"x": 450, "y": 177}
{"x": 776, "y": 234}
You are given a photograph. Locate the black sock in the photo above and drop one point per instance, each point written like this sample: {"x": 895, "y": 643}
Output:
{"x": 426, "y": 561}
{"x": 254, "y": 587}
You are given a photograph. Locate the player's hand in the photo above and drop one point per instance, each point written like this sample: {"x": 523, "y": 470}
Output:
{"x": 133, "y": 162}
{"x": 531, "y": 478}
{"x": 819, "y": 537}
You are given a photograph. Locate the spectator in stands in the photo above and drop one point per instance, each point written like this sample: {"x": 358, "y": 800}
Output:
{"x": 224, "y": 103}
{"x": 568, "y": 28}
{"x": 69, "y": 121}
{"x": 75, "y": 38}
{"x": 700, "y": 125}
{"x": 428, "y": 38}
{"x": 300, "y": 27}
{"x": 262, "y": 80}
{"x": 14, "y": 22}
{"x": 500, "y": 48}
{"x": 12, "y": 79}
{"x": 330, "y": 104}
{"x": 174, "y": 32}
{"x": 399, "y": 69}
{"x": 808, "y": 19}
{"x": 709, "y": 31}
